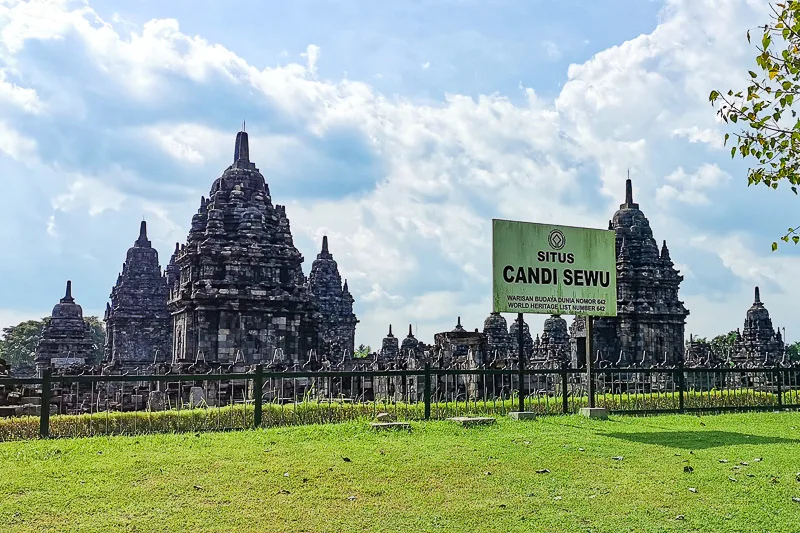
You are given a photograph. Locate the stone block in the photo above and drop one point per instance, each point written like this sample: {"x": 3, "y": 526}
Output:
{"x": 156, "y": 401}
{"x": 522, "y": 415}
{"x": 599, "y": 413}
{"x": 391, "y": 425}
{"x": 385, "y": 417}
{"x": 467, "y": 421}
{"x": 197, "y": 397}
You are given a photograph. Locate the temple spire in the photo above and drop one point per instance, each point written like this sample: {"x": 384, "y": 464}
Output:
{"x": 324, "y": 244}
{"x": 68, "y": 295}
{"x": 628, "y": 189}
{"x": 241, "y": 151}
{"x": 757, "y": 296}
{"x": 142, "y": 240}
{"x": 390, "y": 331}
{"x": 629, "y": 203}
{"x": 664, "y": 251}
{"x": 410, "y": 334}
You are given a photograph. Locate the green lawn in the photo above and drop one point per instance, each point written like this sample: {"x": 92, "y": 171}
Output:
{"x": 439, "y": 477}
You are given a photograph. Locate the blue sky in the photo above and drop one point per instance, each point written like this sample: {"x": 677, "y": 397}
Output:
{"x": 398, "y": 130}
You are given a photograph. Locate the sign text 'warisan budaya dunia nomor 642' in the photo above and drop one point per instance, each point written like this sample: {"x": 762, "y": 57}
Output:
{"x": 547, "y": 269}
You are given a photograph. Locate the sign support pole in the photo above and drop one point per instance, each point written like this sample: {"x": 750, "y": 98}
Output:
{"x": 589, "y": 373}
{"x": 521, "y": 349}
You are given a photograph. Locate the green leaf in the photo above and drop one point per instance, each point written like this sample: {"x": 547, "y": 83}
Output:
{"x": 774, "y": 246}
{"x": 796, "y": 239}
{"x": 752, "y": 74}
{"x": 713, "y": 96}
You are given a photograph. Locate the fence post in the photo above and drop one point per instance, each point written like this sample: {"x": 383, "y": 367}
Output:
{"x": 258, "y": 394}
{"x": 521, "y": 355}
{"x": 564, "y": 385}
{"x": 780, "y": 388}
{"x": 427, "y": 394}
{"x": 44, "y": 412}
{"x": 681, "y": 387}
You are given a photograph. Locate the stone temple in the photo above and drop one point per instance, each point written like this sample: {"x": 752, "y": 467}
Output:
{"x": 237, "y": 288}
{"x": 138, "y": 323}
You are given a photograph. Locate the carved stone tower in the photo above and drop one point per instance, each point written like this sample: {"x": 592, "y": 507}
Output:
{"x": 651, "y": 319}
{"x": 138, "y": 323}
{"x": 337, "y": 322}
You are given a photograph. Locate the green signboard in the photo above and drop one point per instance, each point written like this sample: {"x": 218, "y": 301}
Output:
{"x": 541, "y": 268}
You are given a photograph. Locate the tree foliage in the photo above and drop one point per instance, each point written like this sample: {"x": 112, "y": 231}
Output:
{"x": 18, "y": 343}
{"x": 793, "y": 351}
{"x": 721, "y": 344}
{"x": 362, "y": 352}
{"x": 771, "y": 128}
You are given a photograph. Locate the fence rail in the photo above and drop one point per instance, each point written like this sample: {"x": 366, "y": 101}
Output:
{"x": 80, "y": 405}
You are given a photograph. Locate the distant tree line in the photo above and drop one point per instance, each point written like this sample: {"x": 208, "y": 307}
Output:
{"x": 18, "y": 343}
{"x": 722, "y": 344}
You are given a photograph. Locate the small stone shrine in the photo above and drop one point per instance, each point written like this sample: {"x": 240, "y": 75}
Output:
{"x": 411, "y": 347}
{"x": 66, "y": 338}
{"x": 527, "y": 339}
{"x": 390, "y": 347}
{"x": 498, "y": 341}
{"x": 758, "y": 344}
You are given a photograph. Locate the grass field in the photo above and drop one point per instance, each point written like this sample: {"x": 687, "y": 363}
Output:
{"x": 624, "y": 474}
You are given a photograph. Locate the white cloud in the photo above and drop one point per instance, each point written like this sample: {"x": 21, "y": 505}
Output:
{"x": 91, "y": 193}
{"x": 692, "y": 188}
{"x": 552, "y": 50}
{"x": 24, "y": 98}
{"x": 12, "y": 317}
{"x": 694, "y": 134}
{"x": 14, "y": 144}
{"x": 311, "y": 54}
